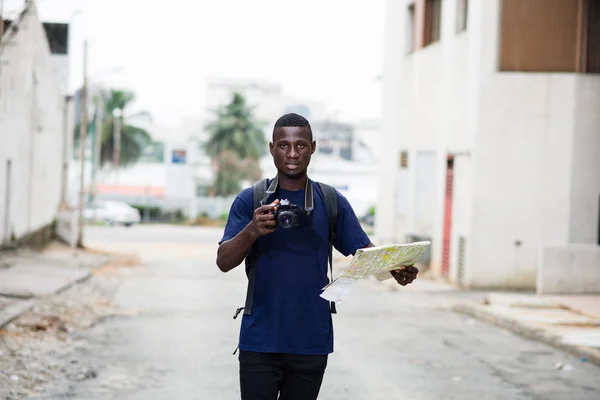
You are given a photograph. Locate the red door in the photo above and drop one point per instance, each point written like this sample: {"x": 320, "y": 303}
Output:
{"x": 447, "y": 217}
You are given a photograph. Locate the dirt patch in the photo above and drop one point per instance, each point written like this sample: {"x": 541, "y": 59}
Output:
{"x": 118, "y": 264}
{"x": 37, "y": 348}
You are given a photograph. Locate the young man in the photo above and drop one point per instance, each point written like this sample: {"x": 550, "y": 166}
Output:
{"x": 286, "y": 338}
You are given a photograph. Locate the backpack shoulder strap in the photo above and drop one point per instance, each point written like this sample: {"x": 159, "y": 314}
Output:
{"x": 330, "y": 196}
{"x": 259, "y": 194}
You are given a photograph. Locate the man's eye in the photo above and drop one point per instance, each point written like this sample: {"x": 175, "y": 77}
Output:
{"x": 301, "y": 145}
{"x": 283, "y": 146}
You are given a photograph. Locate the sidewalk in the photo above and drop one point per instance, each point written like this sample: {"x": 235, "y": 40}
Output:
{"x": 26, "y": 275}
{"x": 570, "y": 323}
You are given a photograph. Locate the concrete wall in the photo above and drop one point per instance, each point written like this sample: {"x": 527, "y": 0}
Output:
{"x": 569, "y": 269}
{"x": 585, "y": 183}
{"x": 31, "y": 119}
{"x": 537, "y": 166}
{"x": 425, "y": 102}
{"x": 526, "y": 147}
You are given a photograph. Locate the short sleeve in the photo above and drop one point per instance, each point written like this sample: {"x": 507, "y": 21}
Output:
{"x": 240, "y": 215}
{"x": 350, "y": 236}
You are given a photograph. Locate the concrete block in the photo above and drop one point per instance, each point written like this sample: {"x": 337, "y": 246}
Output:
{"x": 569, "y": 269}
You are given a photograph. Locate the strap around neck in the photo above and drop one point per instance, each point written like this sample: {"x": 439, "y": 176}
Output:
{"x": 309, "y": 201}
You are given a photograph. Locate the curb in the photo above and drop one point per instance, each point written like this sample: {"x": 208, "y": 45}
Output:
{"x": 11, "y": 312}
{"x": 528, "y": 332}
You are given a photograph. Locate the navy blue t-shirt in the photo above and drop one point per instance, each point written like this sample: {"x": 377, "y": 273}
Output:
{"x": 288, "y": 315}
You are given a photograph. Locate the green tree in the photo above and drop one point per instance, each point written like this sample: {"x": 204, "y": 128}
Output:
{"x": 133, "y": 139}
{"x": 235, "y": 144}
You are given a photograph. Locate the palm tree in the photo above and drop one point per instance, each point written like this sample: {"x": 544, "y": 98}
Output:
{"x": 236, "y": 142}
{"x": 234, "y": 128}
{"x": 133, "y": 139}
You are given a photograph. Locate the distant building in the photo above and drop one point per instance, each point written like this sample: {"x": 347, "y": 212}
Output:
{"x": 491, "y": 134}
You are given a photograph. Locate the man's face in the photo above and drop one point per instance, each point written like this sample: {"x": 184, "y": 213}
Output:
{"x": 291, "y": 150}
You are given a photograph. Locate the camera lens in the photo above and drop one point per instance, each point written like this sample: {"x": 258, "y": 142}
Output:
{"x": 285, "y": 219}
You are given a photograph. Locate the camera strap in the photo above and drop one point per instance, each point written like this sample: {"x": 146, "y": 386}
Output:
{"x": 261, "y": 191}
{"x": 309, "y": 199}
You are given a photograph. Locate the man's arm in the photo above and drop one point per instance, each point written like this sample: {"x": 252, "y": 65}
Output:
{"x": 232, "y": 252}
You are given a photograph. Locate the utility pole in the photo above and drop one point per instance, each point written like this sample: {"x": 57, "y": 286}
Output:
{"x": 66, "y": 153}
{"x": 83, "y": 127}
{"x": 97, "y": 145}
{"x": 117, "y": 141}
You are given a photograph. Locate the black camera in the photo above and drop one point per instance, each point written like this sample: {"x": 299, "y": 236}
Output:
{"x": 288, "y": 215}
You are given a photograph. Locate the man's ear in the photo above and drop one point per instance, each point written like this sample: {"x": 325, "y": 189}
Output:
{"x": 313, "y": 147}
{"x": 271, "y": 148}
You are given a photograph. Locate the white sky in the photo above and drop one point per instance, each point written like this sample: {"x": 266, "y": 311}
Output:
{"x": 328, "y": 50}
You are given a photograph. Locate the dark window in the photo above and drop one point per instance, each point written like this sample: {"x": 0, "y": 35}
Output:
{"x": 411, "y": 27}
{"x": 404, "y": 159}
{"x": 58, "y": 37}
{"x": 462, "y": 13}
{"x": 593, "y": 37}
{"x": 433, "y": 21}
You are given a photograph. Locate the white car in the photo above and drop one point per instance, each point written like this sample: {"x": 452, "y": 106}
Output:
{"x": 113, "y": 212}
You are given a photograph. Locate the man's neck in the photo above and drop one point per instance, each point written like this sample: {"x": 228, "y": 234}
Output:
{"x": 292, "y": 184}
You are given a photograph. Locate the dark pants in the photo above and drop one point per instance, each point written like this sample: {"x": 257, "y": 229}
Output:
{"x": 294, "y": 377}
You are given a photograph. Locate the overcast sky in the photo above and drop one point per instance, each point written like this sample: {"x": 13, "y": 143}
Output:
{"x": 328, "y": 50}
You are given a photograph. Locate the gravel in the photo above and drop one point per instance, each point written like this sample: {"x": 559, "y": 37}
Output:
{"x": 38, "y": 348}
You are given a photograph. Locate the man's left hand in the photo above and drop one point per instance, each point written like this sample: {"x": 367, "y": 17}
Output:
{"x": 405, "y": 274}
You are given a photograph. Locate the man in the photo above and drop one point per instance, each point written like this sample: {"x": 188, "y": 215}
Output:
{"x": 286, "y": 338}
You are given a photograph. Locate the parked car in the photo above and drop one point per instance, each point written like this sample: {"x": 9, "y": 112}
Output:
{"x": 113, "y": 212}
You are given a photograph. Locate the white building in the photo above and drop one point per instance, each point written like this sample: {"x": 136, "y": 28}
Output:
{"x": 491, "y": 134}
{"x": 31, "y": 129}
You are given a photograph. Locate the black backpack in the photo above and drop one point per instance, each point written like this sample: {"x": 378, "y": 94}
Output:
{"x": 259, "y": 194}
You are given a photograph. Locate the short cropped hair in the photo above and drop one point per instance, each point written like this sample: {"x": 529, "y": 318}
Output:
{"x": 293, "y": 119}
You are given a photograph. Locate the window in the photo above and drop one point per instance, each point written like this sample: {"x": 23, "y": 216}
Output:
{"x": 591, "y": 57}
{"x": 433, "y": 21}
{"x": 403, "y": 159}
{"x": 550, "y": 36}
{"x": 58, "y": 37}
{"x": 411, "y": 27}
{"x": 461, "y": 15}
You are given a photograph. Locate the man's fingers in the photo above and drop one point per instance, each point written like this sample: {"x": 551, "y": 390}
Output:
{"x": 412, "y": 269}
{"x": 406, "y": 269}
{"x": 403, "y": 281}
{"x": 265, "y": 217}
{"x": 402, "y": 273}
{"x": 265, "y": 209}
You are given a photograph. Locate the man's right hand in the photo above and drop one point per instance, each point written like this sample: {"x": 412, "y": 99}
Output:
{"x": 263, "y": 220}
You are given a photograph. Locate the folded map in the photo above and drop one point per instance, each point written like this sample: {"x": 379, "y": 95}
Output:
{"x": 376, "y": 262}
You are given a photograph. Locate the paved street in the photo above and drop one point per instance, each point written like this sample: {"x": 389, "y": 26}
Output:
{"x": 175, "y": 336}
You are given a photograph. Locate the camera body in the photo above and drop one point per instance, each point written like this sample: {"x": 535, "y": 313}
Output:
{"x": 288, "y": 215}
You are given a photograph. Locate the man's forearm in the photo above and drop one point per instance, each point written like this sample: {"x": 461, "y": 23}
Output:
{"x": 232, "y": 252}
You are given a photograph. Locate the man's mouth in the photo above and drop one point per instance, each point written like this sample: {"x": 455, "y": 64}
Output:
{"x": 292, "y": 166}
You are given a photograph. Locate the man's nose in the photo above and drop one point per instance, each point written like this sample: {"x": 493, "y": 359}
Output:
{"x": 293, "y": 153}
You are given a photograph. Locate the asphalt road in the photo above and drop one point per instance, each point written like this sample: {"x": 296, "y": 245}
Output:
{"x": 391, "y": 342}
